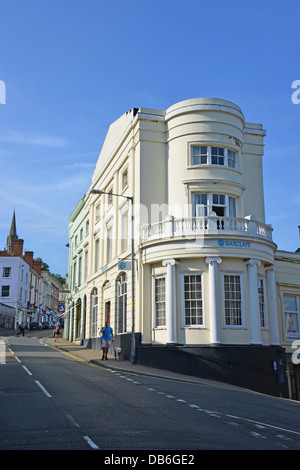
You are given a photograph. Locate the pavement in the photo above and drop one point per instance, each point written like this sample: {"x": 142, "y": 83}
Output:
{"x": 94, "y": 356}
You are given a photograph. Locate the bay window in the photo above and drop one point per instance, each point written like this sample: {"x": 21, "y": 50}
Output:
{"x": 208, "y": 155}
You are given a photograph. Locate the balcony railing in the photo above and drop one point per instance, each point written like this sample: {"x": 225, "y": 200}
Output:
{"x": 210, "y": 225}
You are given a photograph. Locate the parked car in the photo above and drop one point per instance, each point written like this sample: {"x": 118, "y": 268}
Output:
{"x": 35, "y": 325}
{"x": 47, "y": 325}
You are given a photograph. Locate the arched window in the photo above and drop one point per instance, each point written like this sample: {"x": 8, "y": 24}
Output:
{"x": 94, "y": 312}
{"x": 121, "y": 313}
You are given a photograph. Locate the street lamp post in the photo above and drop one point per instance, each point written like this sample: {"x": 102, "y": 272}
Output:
{"x": 129, "y": 198}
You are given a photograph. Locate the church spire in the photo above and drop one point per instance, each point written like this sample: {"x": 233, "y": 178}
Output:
{"x": 12, "y": 235}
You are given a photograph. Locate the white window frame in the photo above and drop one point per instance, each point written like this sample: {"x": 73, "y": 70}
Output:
{"x": 109, "y": 243}
{"x": 183, "y": 275}
{"x": 109, "y": 198}
{"x": 97, "y": 212}
{"x": 74, "y": 274}
{"x": 243, "y": 322}
{"x": 97, "y": 255}
{"x": 155, "y": 303}
{"x": 230, "y": 156}
{"x": 124, "y": 182}
{"x": 293, "y": 312}
{"x": 121, "y": 297}
{"x": 201, "y": 210}
{"x": 124, "y": 231}
{"x": 86, "y": 265}
{"x": 8, "y": 268}
{"x": 94, "y": 313}
{"x": 123, "y": 240}
{"x": 265, "y": 316}
{"x": 5, "y": 296}
{"x": 79, "y": 271}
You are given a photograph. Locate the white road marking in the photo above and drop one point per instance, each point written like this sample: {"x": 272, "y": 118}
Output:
{"x": 72, "y": 420}
{"x": 90, "y": 442}
{"x": 216, "y": 414}
{"x": 43, "y": 389}
{"x": 28, "y": 371}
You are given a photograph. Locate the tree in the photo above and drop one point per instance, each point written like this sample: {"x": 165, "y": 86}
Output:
{"x": 61, "y": 279}
{"x": 45, "y": 266}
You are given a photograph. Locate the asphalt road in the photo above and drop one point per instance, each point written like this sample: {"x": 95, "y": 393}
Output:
{"x": 49, "y": 401}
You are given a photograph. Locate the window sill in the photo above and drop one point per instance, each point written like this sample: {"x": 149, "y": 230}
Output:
{"x": 205, "y": 165}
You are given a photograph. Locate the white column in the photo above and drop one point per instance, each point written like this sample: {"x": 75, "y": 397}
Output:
{"x": 272, "y": 306}
{"x": 170, "y": 300}
{"x": 214, "y": 305}
{"x": 255, "y": 327}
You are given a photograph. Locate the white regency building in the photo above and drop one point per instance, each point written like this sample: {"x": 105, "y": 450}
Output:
{"x": 208, "y": 299}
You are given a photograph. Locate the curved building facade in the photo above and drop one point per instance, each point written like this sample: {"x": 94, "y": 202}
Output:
{"x": 205, "y": 296}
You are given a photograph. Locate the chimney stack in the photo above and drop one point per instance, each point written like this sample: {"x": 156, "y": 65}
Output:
{"x": 28, "y": 258}
{"x": 37, "y": 265}
{"x": 18, "y": 247}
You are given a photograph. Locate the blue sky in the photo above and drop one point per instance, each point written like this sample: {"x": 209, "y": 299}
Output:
{"x": 71, "y": 67}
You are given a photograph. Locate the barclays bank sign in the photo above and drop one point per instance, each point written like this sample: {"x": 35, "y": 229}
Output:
{"x": 234, "y": 243}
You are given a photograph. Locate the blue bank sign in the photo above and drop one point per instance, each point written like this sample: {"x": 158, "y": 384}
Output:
{"x": 234, "y": 243}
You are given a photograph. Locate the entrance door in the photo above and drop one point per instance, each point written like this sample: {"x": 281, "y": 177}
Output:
{"x": 107, "y": 312}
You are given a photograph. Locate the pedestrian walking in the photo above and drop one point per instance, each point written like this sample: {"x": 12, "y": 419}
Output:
{"x": 21, "y": 329}
{"x": 57, "y": 332}
{"x": 107, "y": 337}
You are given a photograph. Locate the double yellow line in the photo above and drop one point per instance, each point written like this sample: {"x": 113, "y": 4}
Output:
{"x": 87, "y": 363}
{"x": 76, "y": 358}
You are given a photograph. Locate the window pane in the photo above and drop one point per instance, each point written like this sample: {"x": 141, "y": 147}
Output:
{"x": 160, "y": 301}
{"x": 193, "y": 300}
{"x": 261, "y": 299}
{"x": 291, "y": 325}
{"x": 233, "y": 302}
{"x": 5, "y": 291}
{"x": 199, "y": 155}
{"x": 232, "y": 207}
{"x": 6, "y": 272}
{"x": 289, "y": 303}
{"x": 217, "y": 151}
{"x": 199, "y": 205}
{"x": 121, "y": 320}
{"x": 231, "y": 158}
{"x": 94, "y": 313}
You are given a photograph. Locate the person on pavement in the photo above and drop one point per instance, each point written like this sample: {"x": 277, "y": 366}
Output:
{"x": 107, "y": 337}
{"x": 57, "y": 332}
{"x": 21, "y": 329}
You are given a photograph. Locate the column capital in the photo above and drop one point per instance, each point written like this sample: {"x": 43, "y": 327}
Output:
{"x": 213, "y": 259}
{"x": 270, "y": 268}
{"x": 170, "y": 262}
{"x": 253, "y": 262}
